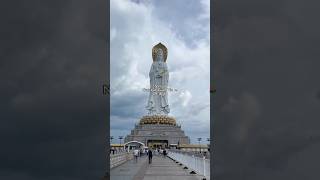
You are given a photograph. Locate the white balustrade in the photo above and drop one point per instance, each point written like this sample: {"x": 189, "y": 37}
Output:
{"x": 120, "y": 158}
{"x": 200, "y": 165}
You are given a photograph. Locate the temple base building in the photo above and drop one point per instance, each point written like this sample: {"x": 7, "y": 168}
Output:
{"x": 158, "y": 132}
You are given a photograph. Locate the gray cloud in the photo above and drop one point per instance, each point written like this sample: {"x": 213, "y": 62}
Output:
{"x": 265, "y": 49}
{"x": 53, "y": 64}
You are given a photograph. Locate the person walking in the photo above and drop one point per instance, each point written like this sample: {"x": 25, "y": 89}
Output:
{"x": 150, "y": 156}
{"x": 136, "y": 154}
{"x": 164, "y": 153}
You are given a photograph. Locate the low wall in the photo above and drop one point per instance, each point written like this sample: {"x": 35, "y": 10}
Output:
{"x": 190, "y": 153}
{"x": 200, "y": 165}
{"x": 120, "y": 158}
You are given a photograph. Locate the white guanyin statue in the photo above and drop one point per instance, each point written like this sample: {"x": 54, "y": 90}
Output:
{"x": 159, "y": 77}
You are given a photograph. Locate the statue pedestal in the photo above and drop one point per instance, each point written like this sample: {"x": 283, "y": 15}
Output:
{"x": 158, "y": 131}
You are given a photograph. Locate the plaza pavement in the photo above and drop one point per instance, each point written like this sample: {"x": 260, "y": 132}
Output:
{"x": 160, "y": 169}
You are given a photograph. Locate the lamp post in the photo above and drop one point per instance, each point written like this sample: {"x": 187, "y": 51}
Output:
{"x": 112, "y": 148}
{"x": 120, "y": 137}
{"x": 199, "y": 139}
{"x": 111, "y": 138}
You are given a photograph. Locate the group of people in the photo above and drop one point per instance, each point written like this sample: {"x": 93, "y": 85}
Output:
{"x": 115, "y": 150}
{"x": 163, "y": 152}
{"x": 150, "y": 153}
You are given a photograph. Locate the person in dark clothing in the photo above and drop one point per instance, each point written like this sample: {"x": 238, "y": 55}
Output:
{"x": 164, "y": 153}
{"x": 150, "y": 156}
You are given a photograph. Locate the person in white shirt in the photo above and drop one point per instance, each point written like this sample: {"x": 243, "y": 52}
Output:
{"x": 136, "y": 154}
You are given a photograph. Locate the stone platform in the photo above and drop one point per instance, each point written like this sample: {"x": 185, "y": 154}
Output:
{"x": 160, "y": 169}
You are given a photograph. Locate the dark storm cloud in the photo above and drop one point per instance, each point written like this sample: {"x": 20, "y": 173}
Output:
{"x": 53, "y": 65}
{"x": 266, "y": 72}
{"x": 128, "y": 105}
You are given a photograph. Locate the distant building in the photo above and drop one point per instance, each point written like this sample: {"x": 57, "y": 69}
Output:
{"x": 116, "y": 147}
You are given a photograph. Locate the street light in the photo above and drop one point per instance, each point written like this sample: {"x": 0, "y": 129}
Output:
{"x": 112, "y": 148}
{"x": 120, "y": 137}
{"x": 208, "y": 139}
{"x": 199, "y": 139}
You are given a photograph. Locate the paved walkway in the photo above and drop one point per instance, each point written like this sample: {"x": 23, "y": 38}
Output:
{"x": 160, "y": 169}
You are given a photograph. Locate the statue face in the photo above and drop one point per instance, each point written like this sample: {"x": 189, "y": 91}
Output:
{"x": 159, "y": 55}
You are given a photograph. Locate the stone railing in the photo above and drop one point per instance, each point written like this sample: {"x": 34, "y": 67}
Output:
{"x": 120, "y": 158}
{"x": 190, "y": 153}
{"x": 200, "y": 165}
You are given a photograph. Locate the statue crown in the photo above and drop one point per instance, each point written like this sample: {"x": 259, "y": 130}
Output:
{"x": 155, "y": 50}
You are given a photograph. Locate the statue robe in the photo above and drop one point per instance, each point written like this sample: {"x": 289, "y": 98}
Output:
{"x": 158, "y": 97}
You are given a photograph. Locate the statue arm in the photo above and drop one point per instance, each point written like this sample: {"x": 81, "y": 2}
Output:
{"x": 162, "y": 71}
{"x": 151, "y": 73}
{"x": 166, "y": 76}
{"x": 158, "y": 72}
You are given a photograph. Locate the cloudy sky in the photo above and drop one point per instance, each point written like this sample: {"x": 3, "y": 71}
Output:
{"x": 183, "y": 26}
{"x": 266, "y": 65}
{"x": 266, "y": 70}
{"x": 53, "y": 115}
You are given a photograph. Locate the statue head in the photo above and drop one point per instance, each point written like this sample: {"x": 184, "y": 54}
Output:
{"x": 159, "y": 50}
{"x": 159, "y": 56}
